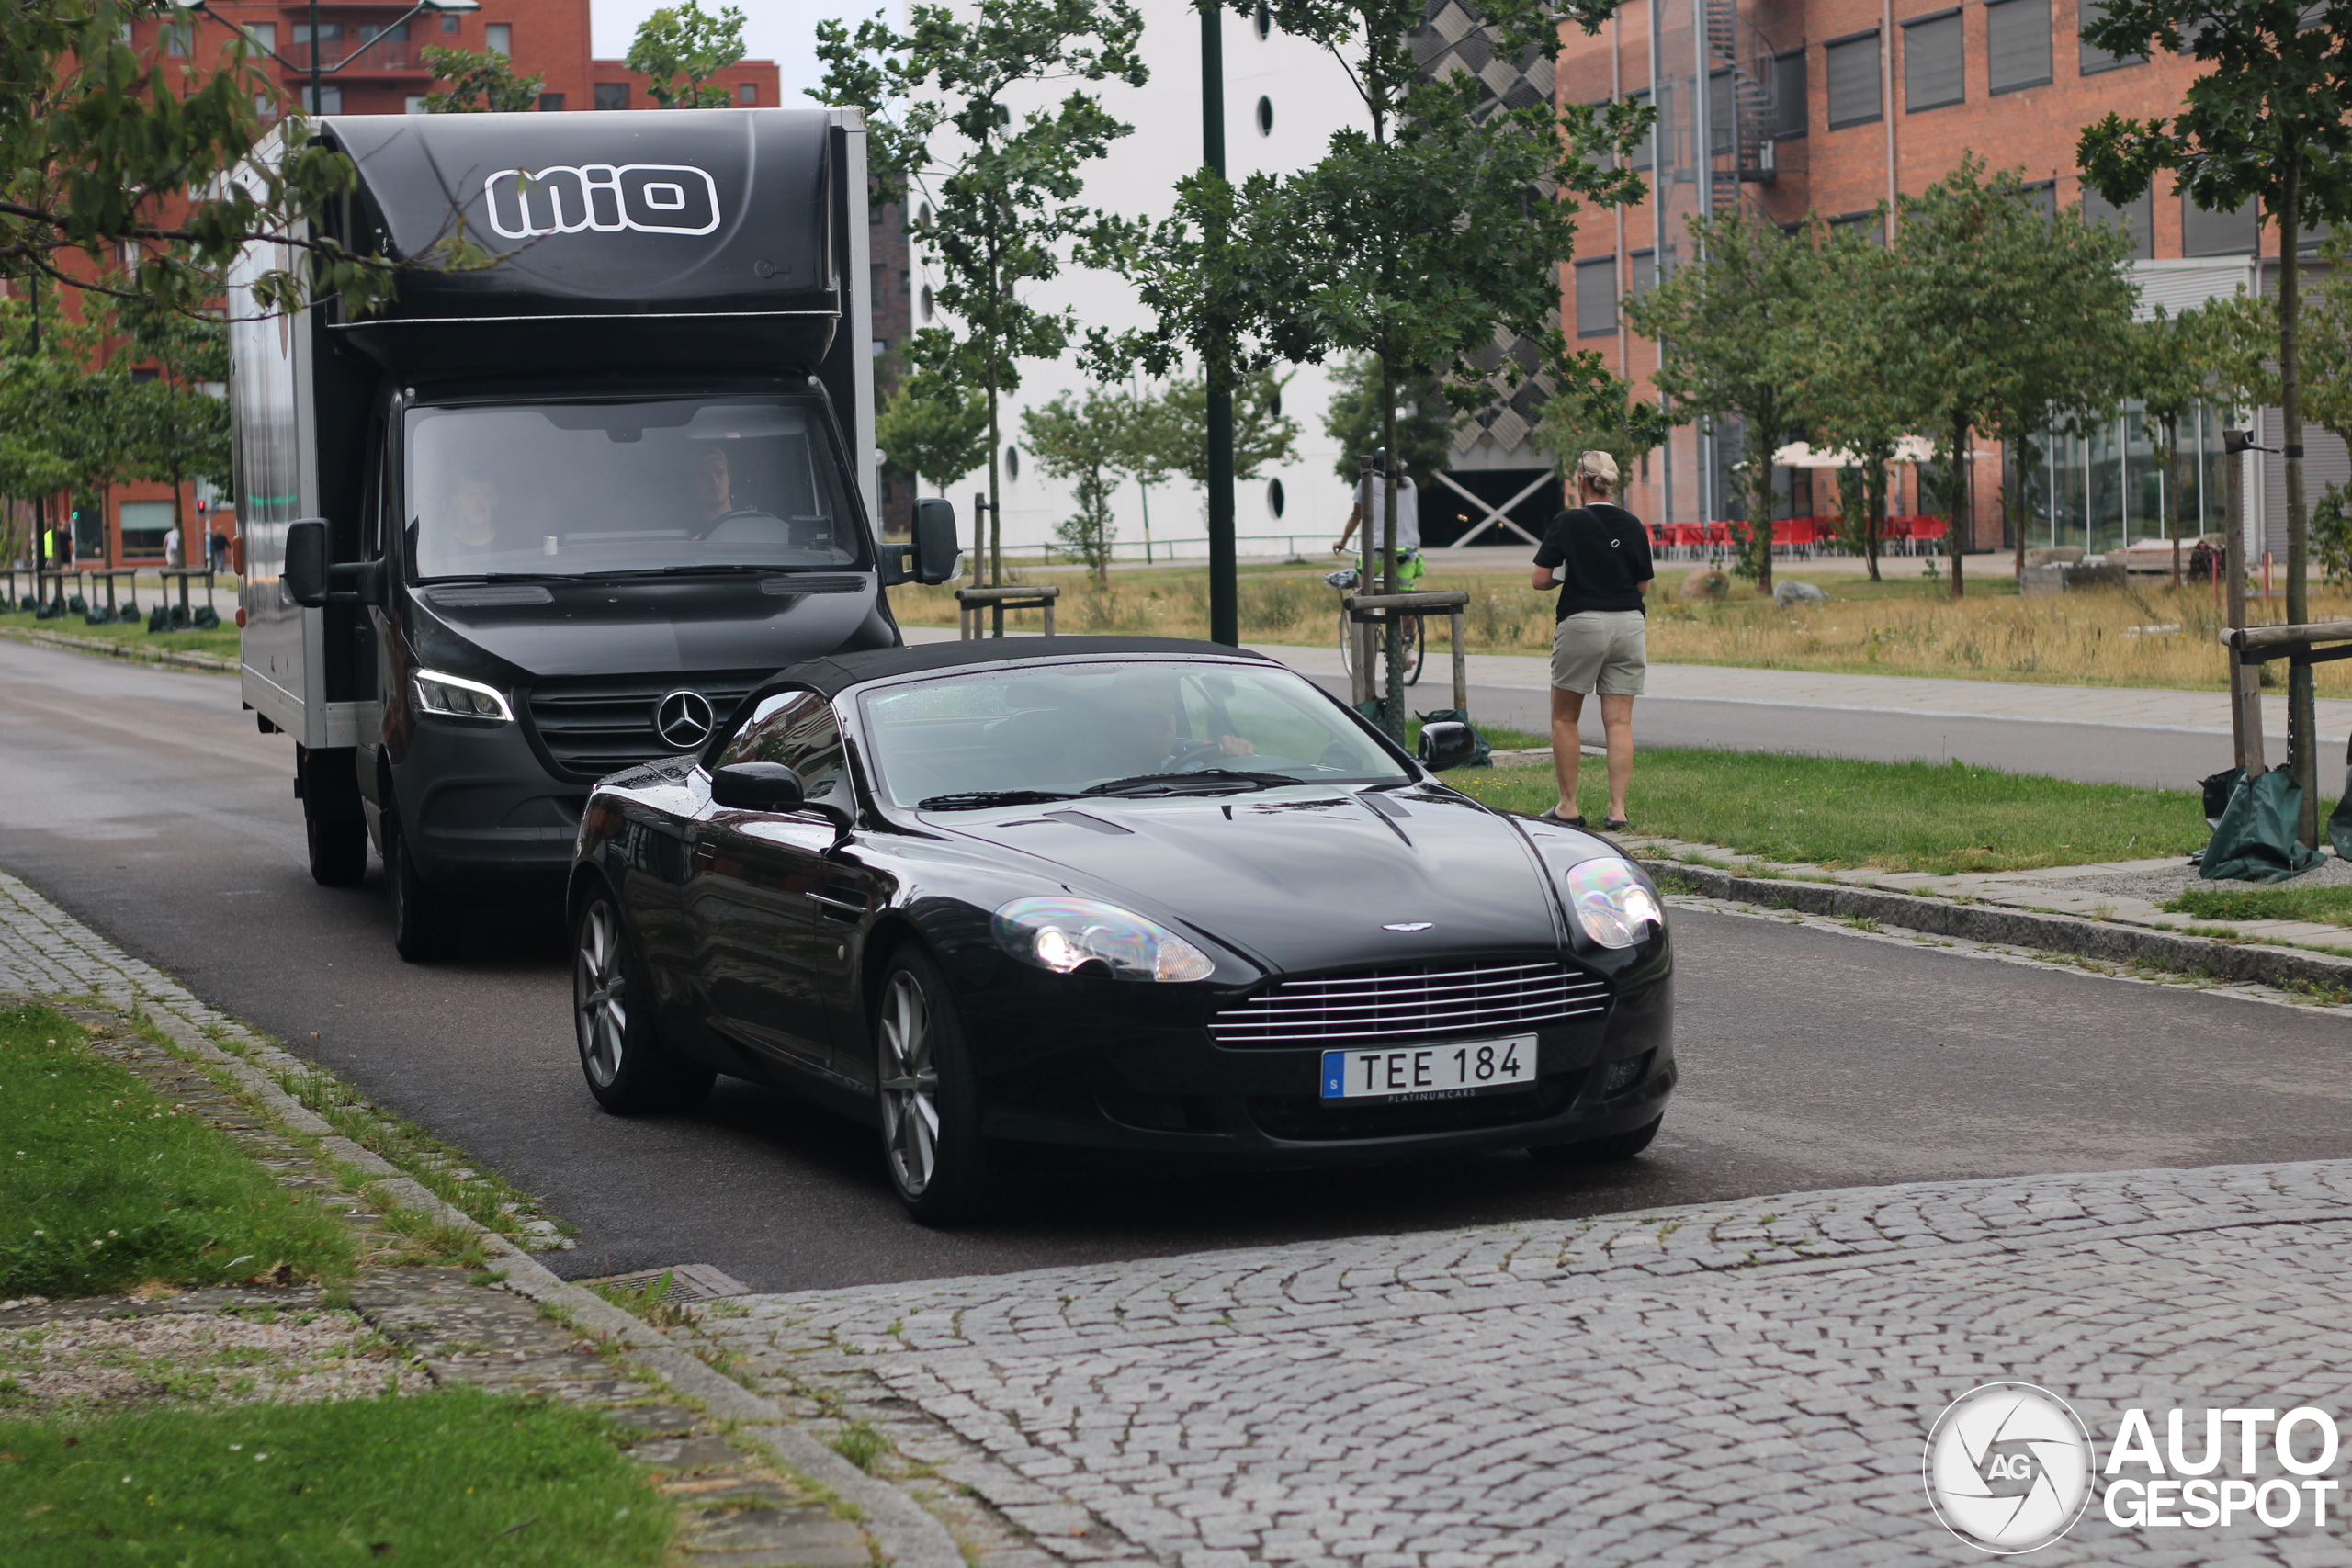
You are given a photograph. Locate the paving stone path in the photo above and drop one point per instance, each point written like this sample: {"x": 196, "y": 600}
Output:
{"x": 1741, "y": 1383}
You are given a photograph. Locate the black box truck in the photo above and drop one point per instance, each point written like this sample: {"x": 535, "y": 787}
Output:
{"x": 542, "y": 519}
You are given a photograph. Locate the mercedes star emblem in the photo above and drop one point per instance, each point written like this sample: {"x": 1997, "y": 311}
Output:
{"x": 682, "y": 720}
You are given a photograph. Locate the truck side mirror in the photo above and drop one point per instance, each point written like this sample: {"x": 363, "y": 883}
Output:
{"x": 305, "y": 570}
{"x": 936, "y": 546}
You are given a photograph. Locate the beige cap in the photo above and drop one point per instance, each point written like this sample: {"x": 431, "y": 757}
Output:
{"x": 1598, "y": 466}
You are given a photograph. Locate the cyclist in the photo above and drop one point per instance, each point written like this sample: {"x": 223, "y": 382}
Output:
{"x": 1409, "y": 565}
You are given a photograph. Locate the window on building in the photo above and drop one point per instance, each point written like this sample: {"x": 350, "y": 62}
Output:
{"x": 2044, "y": 194}
{"x": 328, "y": 100}
{"x": 1645, "y": 149}
{"x": 929, "y": 304}
{"x": 414, "y": 103}
{"x": 145, "y": 373}
{"x": 1723, "y": 112}
{"x": 1597, "y": 297}
{"x": 1263, "y": 21}
{"x": 1788, "y": 94}
{"x": 747, "y": 93}
{"x": 881, "y": 278}
{"x": 2204, "y": 233}
{"x": 1013, "y": 462}
{"x": 1853, "y": 80}
{"x": 325, "y": 32}
{"x": 2016, "y": 47}
{"x": 2092, "y": 58}
{"x": 1265, "y": 117}
{"x": 2139, "y": 220}
{"x": 450, "y": 24}
{"x": 1275, "y": 499}
{"x": 263, "y": 35}
{"x": 551, "y": 103}
{"x": 1644, "y": 272}
{"x": 176, "y": 40}
{"x": 1867, "y": 221}
{"x": 1934, "y": 57}
{"x": 498, "y": 38}
{"x": 396, "y": 32}
{"x": 144, "y": 523}
{"x": 612, "y": 95}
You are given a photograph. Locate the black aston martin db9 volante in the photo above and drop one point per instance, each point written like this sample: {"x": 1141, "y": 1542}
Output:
{"x": 1125, "y": 893}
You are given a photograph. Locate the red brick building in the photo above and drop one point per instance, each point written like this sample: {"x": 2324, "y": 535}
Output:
{"x": 1831, "y": 107}
{"x": 380, "y": 72}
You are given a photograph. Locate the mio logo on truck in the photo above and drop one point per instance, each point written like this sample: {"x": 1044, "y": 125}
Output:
{"x": 651, "y": 199}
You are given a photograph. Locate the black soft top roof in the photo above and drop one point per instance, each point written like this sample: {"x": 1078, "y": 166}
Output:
{"x": 841, "y": 670}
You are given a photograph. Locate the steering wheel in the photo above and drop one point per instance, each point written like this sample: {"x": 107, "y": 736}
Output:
{"x": 1193, "y": 758}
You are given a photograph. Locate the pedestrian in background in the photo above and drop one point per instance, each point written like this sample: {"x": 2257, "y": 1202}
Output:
{"x": 1598, "y": 555}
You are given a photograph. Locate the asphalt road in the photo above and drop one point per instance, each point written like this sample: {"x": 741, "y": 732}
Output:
{"x": 146, "y": 803}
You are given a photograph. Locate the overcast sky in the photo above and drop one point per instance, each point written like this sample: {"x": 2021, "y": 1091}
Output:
{"x": 781, "y": 30}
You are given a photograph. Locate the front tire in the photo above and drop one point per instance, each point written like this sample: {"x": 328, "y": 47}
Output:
{"x": 621, "y": 1053}
{"x": 338, "y": 852}
{"x": 421, "y": 918}
{"x": 928, "y": 1096}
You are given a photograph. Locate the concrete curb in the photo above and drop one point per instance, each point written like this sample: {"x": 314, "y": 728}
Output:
{"x": 2284, "y": 967}
{"x": 909, "y": 1536}
{"x": 137, "y": 652}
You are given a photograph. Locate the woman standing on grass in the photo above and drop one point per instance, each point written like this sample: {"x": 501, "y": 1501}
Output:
{"x": 1598, "y": 555}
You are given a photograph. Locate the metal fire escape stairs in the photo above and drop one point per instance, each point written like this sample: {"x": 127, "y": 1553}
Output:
{"x": 1741, "y": 152}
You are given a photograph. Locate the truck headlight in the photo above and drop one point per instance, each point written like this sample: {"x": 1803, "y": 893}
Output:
{"x": 1062, "y": 933}
{"x": 458, "y": 697}
{"x": 1612, "y": 901}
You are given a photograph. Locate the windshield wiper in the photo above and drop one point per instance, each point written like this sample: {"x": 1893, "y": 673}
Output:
{"x": 973, "y": 799}
{"x": 1220, "y": 781}
{"x": 686, "y": 570}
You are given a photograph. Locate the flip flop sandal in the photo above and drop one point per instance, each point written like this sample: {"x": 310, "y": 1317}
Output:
{"x": 1614, "y": 825}
{"x": 1553, "y": 816}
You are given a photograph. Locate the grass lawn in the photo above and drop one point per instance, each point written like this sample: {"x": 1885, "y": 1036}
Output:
{"x": 2324, "y": 906}
{"x": 104, "y": 1186}
{"x": 1894, "y": 816}
{"x": 221, "y": 642}
{"x": 454, "y": 1477}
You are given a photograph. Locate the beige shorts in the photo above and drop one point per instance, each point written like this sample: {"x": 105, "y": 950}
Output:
{"x": 1602, "y": 650}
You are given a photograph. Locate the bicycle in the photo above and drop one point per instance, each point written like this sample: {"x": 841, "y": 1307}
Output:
{"x": 1411, "y": 645}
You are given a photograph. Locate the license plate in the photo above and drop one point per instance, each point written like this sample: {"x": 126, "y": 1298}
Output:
{"x": 1429, "y": 1072}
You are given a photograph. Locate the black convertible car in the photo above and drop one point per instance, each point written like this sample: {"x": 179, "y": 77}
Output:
{"x": 1129, "y": 893}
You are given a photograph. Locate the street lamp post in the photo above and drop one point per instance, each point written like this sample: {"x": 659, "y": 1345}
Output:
{"x": 1225, "y": 618}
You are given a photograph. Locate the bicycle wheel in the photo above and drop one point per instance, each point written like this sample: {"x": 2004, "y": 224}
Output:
{"x": 1416, "y": 645}
{"x": 1347, "y": 645}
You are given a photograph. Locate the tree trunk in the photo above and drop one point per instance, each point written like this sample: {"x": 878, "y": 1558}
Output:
{"x": 2302, "y": 758}
{"x": 1873, "y": 514}
{"x": 2013, "y": 501}
{"x": 1759, "y": 500}
{"x": 996, "y": 512}
{"x": 2172, "y": 492}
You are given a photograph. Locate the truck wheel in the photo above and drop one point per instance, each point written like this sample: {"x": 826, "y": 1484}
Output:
{"x": 338, "y": 853}
{"x": 928, "y": 1096}
{"x": 421, "y": 918}
{"x": 621, "y": 1053}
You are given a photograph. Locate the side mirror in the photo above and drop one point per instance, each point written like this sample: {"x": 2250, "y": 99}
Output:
{"x": 1446, "y": 743}
{"x": 305, "y": 569}
{"x": 756, "y": 786}
{"x": 936, "y": 546}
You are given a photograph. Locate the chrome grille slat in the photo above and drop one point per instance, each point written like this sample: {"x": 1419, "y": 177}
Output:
{"x": 1409, "y": 1002}
{"x": 596, "y": 725}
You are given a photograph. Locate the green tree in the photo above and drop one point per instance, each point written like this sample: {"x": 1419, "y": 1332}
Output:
{"x": 112, "y": 151}
{"x": 1723, "y": 321}
{"x": 1601, "y": 415}
{"x": 2266, "y": 121}
{"x": 1858, "y": 396}
{"x": 1169, "y": 433}
{"x": 940, "y": 104}
{"x": 1411, "y": 242}
{"x": 932, "y": 429}
{"x": 680, "y": 48}
{"x": 1425, "y": 421}
{"x": 482, "y": 83}
{"x": 2011, "y": 313}
{"x": 1091, "y": 442}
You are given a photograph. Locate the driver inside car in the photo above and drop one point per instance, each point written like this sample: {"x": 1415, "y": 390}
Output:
{"x": 710, "y": 490}
{"x": 1154, "y": 731}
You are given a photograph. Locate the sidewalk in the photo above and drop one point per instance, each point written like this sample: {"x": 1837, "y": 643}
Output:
{"x": 1743, "y": 1383}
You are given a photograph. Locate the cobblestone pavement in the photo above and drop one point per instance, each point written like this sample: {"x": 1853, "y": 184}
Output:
{"x": 1741, "y": 1383}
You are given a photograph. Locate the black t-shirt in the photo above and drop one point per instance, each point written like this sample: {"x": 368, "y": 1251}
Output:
{"x": 1606, "y": 551}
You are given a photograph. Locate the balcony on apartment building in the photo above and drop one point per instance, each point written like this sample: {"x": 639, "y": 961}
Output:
{"x": 361, "y": 51}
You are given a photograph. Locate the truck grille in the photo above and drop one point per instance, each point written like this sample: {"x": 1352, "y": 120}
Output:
{"x": 1421, "y": 1001}
{"x": 594, "y": 724}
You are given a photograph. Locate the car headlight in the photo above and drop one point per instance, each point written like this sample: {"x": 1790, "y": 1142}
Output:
{"x": 460, "y": 698}
{"x": 1063, "y": 933}
{"x": 1612, "y": 901}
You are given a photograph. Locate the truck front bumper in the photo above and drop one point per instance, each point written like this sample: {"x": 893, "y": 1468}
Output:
{"x": 477, "y": 805}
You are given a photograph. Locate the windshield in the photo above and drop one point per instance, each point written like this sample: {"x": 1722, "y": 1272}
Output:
{"x": 572, "y": 490}
{"x": 964, "y": 740}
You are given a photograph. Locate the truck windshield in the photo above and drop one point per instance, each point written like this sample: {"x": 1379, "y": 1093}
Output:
{"x": 590, "y": 488}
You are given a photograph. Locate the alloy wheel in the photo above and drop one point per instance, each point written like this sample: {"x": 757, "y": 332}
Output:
{"x": 910, "y": 1086}
{"x": 600, "y": 995}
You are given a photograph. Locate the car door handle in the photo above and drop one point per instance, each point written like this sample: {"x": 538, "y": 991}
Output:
{"x": 838, "y": 907}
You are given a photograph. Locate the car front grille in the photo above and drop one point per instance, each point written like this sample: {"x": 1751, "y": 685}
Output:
{"x": 596, "y": 725}
{"x": 1409, "y": 1003}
